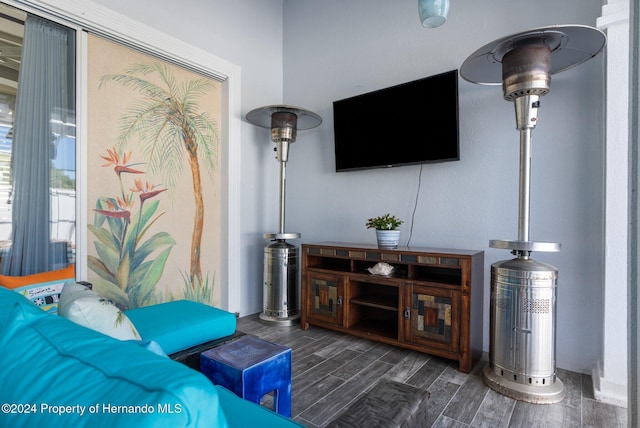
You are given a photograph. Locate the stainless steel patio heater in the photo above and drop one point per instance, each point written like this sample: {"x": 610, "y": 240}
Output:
{"x": 523, "y": 291}
{"x": 280, "y": 293}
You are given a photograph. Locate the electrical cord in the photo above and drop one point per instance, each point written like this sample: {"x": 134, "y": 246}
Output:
{"x": 415, "y": 205}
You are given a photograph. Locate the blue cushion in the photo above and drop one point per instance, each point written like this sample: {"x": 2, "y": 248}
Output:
{"x": 50, "y": 361}
{"x": 253, "y": 415}
{"x": 8, "y": 301}
{"x": 181, "y": 324}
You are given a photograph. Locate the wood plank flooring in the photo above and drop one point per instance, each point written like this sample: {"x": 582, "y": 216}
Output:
{"x": 330, "y": 370}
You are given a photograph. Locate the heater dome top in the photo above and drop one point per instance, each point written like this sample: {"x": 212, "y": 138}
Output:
{"x": 570, "y": 45}
{"x": 261, "y": 116}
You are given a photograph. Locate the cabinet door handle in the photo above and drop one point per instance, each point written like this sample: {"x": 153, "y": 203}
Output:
{"x": 407, "y": 313}
{"x": 339, "y": 300}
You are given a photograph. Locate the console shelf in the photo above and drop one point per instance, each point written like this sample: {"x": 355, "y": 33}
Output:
{"x": 431, "y": 303}
{"x": 373, "y": 302}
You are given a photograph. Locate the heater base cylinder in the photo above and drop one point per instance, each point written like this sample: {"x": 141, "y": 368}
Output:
{"x": 281, "y": 305}
{"x": 549, "y": 394}
{"x": 522, "y": 331}
{"x": 279, "y": 321}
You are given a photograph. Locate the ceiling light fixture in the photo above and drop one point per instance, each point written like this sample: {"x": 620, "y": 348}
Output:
{"x": 433, "y": 13}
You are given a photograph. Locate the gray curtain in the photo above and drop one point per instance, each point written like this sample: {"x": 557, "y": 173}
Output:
{"x": 43, "y": 96}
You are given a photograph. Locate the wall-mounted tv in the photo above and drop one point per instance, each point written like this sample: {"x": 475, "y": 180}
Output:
{"x": 407, "y": 124}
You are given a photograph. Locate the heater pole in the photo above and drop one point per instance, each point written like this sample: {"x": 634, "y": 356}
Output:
{"x": 526, "y": 108}
{"x": 283, "y": 185}
{"x": 525, "y": 184}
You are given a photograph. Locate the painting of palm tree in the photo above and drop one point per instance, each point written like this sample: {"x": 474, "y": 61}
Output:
{"x": 167, "y": 121}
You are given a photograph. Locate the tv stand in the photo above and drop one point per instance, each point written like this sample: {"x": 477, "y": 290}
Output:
{"x": 432, "y": 302}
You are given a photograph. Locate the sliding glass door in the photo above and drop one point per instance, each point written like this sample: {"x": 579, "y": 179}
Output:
{"x": 37, "y": 144}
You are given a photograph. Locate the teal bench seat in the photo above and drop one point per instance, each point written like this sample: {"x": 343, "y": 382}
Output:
{"x": 181, "y": 324}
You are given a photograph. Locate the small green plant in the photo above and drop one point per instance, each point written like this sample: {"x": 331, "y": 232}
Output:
{"x": 384, "y": 222}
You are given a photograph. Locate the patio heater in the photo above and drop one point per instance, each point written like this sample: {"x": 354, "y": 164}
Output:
{"x": 523, "y": 291}
{"x": 280, "y": 293}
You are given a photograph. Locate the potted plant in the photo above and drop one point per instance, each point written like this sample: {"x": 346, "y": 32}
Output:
{"x": 387, "y": 232}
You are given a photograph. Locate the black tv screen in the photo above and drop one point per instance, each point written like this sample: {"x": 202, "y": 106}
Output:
{"x": 407, "y": 124}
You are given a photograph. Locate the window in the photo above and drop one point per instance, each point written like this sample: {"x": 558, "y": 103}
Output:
{"x": 37, "y": 144}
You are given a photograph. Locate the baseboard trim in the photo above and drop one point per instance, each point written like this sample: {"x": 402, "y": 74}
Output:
{"x": 608, "y": 392}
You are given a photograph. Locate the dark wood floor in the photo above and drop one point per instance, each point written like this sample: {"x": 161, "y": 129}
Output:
{"x": 331, "y": 369}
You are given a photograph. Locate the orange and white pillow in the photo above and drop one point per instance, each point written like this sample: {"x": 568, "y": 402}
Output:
{"x": 43, "y": 289}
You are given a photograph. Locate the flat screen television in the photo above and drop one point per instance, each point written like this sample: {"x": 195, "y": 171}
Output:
{"x": 407, "y": 124}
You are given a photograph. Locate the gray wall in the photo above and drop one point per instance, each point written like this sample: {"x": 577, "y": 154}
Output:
{"x": 333, "y": 49}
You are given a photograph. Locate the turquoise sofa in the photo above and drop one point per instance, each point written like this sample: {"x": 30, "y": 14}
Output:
{"x": 54, "y": 372}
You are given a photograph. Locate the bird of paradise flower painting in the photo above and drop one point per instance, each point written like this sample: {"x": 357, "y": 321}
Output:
{"x": 131, "y": 253}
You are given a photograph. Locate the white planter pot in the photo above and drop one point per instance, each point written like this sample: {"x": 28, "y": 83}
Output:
{"x": 388, "y": 238}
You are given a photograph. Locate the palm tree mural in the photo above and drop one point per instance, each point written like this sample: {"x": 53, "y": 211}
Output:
{"x": 167, "y": 120}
